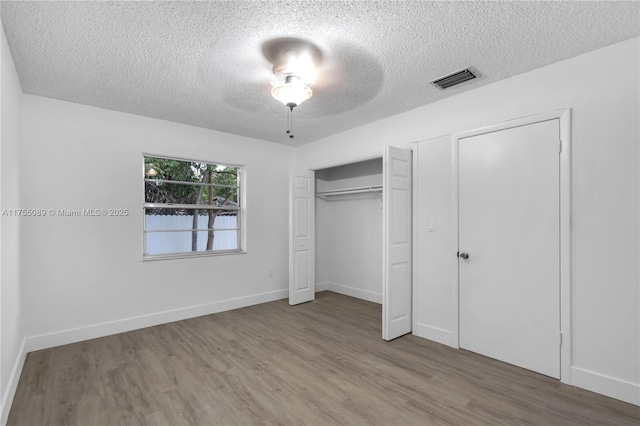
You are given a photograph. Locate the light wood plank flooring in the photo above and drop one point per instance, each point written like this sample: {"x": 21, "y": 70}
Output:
{"x": 320, "y": 363}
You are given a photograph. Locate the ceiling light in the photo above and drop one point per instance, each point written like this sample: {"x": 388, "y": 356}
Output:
{"x": 300, "y": 65}
{"x": 292, "y": 92}
{"x": 295, "y": 62}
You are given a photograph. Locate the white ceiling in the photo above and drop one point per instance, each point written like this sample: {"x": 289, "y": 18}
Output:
{"x": 201, "y": 63}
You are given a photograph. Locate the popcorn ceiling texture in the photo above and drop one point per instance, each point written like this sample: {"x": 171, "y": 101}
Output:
{"x": 201, "y": 63}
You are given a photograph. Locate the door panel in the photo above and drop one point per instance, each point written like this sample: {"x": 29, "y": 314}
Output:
{"x": 509, "y": 224}
{"x": 396, "y": 292}
{"x": 301, "y": 238}
{"x": 400, "y": 277}
{"x": 302, "y": 224}
{"x": 301, "y": 278}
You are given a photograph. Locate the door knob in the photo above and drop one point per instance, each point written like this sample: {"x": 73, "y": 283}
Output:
{"x": 464, "y": 255}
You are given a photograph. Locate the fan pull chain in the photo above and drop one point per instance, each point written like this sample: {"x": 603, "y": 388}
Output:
{"x": 290, "y": 122}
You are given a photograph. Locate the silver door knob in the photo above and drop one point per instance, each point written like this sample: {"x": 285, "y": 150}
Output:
{"x": 464, "y": 255}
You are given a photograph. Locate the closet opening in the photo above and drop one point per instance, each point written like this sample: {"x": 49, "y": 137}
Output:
{"x": 350, "y": 232}
{"x": 349, "y": 229}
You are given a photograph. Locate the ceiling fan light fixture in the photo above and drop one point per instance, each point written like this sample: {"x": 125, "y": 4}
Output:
{"x": 298, "y": 64}
{"x": 294, "y": 69}
{"x": 292, "y": 92}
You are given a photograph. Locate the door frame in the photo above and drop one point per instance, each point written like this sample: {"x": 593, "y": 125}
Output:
{"x": 409, "y": 147}
{"x": 564, "y": 117}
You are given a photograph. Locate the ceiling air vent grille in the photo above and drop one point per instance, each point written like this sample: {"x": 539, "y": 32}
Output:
{"x": 454, "y": 78}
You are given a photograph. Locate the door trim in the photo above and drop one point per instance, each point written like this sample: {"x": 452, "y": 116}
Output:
{"x": 564, "y": 116}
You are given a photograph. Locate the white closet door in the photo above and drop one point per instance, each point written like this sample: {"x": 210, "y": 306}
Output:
{"x": 396, "y": 292}
{"x": 301, "y": 237}
{"x": 509, "y": 236}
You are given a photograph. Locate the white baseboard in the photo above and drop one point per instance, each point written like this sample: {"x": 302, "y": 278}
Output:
{"x": 605, "y": 385}
{"x": 324, "y": 286}
{"x": 436, "y": 334}
{"x": 12, "y": 384}
{"x": 50, "y": 340}
{"x": 354, "y": 292}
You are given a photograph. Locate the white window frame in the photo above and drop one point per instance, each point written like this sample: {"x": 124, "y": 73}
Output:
{"x": 241, "y": 221}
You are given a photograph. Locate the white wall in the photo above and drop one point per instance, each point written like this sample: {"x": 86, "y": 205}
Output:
{"x": 434, "y": 255}
{"x": 11, "y": 358}
{"x": 349, "y": 247}
{"x": 602, "y": 89}
{"x": 84, "y": 276}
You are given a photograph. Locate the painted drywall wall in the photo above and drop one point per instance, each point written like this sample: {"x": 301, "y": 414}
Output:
{"x": 434, "y": 252}
{"x": 349, "y": 246}
{"x": 84, "y": 276}
{"x": 605, "y": 191}
{"x": 10, "y": 322}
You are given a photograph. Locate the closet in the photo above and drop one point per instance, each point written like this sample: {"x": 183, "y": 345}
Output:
{"x": 350, "y": 232}
{"x": 349, "y": 229}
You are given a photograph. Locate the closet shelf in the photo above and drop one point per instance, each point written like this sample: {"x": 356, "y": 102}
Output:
{"x": 361, "y": 190}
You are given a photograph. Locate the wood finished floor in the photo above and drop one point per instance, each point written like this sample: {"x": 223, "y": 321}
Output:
{"x": 319, "y": 363}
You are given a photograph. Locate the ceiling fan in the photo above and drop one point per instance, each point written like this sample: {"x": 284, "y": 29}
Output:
{"x": 295, "y": 69}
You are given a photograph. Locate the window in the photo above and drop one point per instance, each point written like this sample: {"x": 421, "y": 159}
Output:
{"x": 191, "y": 208}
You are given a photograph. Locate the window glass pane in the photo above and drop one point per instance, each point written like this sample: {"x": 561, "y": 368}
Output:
{"x": 170, "y": 193}
{"x": 182, "y": 219}
{"x": 185, "y": 241}
{"x": 220, "y": 196}
{"x": 214, "y": 176}
{"x": 180, "y": 193}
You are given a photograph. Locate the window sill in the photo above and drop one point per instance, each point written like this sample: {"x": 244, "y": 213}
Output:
{"x": 170, "y": 256}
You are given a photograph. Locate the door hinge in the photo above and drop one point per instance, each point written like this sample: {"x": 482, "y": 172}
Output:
{"x": 559, "y": 339}
{"x": 560, "y": 145}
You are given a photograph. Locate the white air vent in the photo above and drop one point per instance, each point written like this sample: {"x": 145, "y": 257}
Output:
{"x": 455, "y": 78}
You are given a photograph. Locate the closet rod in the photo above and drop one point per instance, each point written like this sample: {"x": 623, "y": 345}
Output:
{"x": 357, "y": 190}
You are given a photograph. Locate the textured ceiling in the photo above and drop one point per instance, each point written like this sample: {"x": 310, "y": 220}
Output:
{"x": 201, "y": 63}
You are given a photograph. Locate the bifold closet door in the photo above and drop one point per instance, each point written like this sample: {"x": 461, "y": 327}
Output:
{"x": 509, "y": 242}
{"x": 301, "y": 237}
{"x": 397, "y": 241}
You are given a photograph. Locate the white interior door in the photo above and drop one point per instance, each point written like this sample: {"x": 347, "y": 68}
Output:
{"x": 301, "y": 237}
{"x": 396, "y": 291}
{"x": 509, "y": 225}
